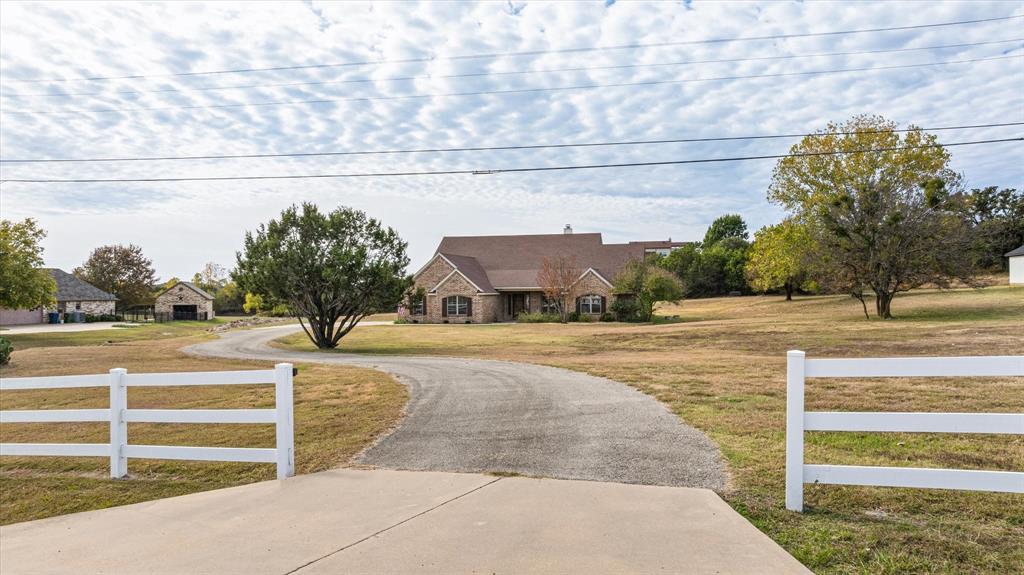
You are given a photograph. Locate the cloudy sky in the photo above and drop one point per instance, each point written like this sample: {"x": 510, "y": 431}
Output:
{"x": 402, "y": 99}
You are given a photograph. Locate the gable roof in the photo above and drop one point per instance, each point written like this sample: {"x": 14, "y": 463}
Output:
{"x": 1017, "y": 252}
{"x": 471, "y": 270}
{"x": 190, "y": 286}
{"x": 509, "y": 262}
{"x": 72, "y": 288}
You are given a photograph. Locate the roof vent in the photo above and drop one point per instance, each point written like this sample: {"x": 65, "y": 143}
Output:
{"x": 567, "y": 230}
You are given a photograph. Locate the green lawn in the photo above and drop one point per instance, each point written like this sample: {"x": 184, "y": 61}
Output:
{"x": 139, "y": 332}
{"x": 722, "y": 368}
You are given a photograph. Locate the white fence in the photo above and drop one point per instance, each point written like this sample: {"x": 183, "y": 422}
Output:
{"x": 118, "y": 415}
{"x": 798, "y": 368}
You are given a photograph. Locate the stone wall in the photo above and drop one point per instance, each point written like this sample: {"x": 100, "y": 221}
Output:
{"x": 183, "y": 295}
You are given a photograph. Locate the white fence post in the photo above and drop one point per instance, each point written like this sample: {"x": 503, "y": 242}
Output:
{"x": 795, "y": 431}
{"x": 118, "y": 425}
{"x": 285, "y": 420}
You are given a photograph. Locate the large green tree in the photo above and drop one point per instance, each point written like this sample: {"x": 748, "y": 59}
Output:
{"x": 998, "y": 218}
{"x": 121, "y": 270}
{"x": 727, "y": 226}
{"x": 880, "y": 207}
{"x": 23, "y": 281}
{"x": 330, "y": 269}
{"x": 779, "y": 258}
{"x": 648, "y": 284}
{"x": 716, "y": 265}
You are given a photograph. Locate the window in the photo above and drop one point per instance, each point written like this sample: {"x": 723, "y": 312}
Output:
{"x": 457, "y": 305}
{"x": 78, "y": 305}
{"x": 590, "y": 304}
{"x": 418, "y": 308}
{"x": 549, "y": 306}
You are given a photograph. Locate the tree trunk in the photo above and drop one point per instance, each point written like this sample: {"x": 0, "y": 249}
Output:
{"x": 883, "y": 304}
{"x": 789, "y": 291}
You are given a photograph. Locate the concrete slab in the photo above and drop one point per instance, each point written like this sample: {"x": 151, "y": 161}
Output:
{"x": 267, "y": 527}
{"x": 521, "y": 525}
{"x": 352, "y": 521}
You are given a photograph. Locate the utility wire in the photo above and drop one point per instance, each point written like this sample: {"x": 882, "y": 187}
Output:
{"x": 491, "y": 148}
{"x": 509, "y": 73}
{"x": 496, "y": 92}
{"x": 501, "y": 170}
{"x": 531, "y": 52}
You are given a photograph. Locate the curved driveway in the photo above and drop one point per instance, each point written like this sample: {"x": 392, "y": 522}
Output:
{"x": 473, "y": 415}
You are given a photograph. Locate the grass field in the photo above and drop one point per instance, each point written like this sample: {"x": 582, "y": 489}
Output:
{"x": 139, "y": 332}
{"x": 338, "y": 412}
{"x": 722, "y": 368}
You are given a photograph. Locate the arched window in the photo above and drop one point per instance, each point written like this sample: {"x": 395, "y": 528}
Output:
{"x": 456, "y": 305}
{"x": 590, "y": 304}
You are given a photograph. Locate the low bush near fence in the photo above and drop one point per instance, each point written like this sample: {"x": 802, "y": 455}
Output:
{"x": 90, "y": 318}
{"x": 538, "y": 317}
{"x": 5, "y": 351}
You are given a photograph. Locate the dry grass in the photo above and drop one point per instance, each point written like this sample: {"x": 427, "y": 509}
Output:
{"x": 338, "y": 412}
{"x": 722, "y": 368}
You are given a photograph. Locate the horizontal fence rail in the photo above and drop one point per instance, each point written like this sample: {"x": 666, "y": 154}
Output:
{"x": 119, "y": 416}
{"x": 798, "y": 368}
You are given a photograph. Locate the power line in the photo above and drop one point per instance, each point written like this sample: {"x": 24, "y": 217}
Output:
{"x": 530, "y": 52}
{"x": 491, "y": 148}
{"x": 497, "y": 92}
{"x": 510, "y": 73}
{"x": 501, "y": 170}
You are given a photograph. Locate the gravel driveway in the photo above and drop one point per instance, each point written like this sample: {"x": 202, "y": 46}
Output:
{"x": 472, "y": 415}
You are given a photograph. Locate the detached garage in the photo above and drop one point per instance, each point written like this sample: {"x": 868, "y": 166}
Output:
{"x": 1016, "y": 266}
{"x": 184, "y": 301}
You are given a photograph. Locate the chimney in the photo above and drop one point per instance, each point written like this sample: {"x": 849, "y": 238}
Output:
{"x": 568, "y": 230}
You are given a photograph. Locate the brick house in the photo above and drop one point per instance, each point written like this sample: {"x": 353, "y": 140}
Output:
{"x": 484, "y": 279}
{"x": 185, "y": 301}
{"x": 73, "y": 294}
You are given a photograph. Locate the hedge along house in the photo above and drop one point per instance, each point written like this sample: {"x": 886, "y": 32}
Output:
{"x": 484, "y": 279}
{"x": 73, "y": 294}
{"x": 184, "y": 301}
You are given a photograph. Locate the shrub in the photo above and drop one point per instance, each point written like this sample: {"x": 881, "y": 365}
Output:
{"x": 538, "y": 317}
{"x": 5, "y": 351}
{"x": 585, "y": 318}
{"x": 607, "y": 316}
{"x": 625, "y": 309}
{"x": 279, "y": 310}
{"x": 574, "y": 316}
{"x": 402, "y": 321}
{"x": 90, "y": 318}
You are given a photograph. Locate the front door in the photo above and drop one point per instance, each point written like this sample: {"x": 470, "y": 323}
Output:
{"x": 515, "y": 303}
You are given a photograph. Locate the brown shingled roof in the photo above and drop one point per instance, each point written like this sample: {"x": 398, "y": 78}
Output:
{"x": 472, "y": 270}
{"x": 505, "y": 262}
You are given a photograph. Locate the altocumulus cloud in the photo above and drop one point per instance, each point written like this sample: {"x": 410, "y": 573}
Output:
{"x": 182, "y": 225}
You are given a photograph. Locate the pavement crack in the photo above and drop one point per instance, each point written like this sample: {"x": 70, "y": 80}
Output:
{"x": 390, "y": 527}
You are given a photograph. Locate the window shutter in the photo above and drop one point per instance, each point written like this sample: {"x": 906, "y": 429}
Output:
{"x": 444, "y": 307}
{"x": 579, "y": 305}
{"x": 469, "y": 306}
{"x": 604, "y": 304}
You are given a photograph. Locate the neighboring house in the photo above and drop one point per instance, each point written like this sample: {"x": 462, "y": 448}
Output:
{"x": 1016, "y": 258}
{"x": 73, "y": 294}
{"x": 483, "y": 279}
{"x": 184, "y": 300}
